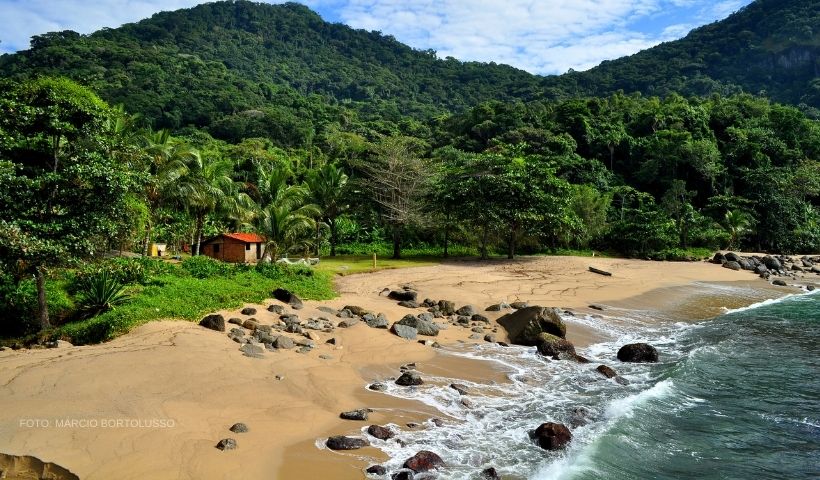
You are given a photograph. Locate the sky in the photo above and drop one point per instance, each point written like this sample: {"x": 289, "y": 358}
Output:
{"x": 540, "y": 36}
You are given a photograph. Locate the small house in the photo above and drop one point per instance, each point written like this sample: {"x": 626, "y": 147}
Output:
{"x": 234, "y": 247}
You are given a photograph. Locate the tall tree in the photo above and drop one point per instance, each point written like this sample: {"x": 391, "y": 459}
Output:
{"x": 328, "y": 190}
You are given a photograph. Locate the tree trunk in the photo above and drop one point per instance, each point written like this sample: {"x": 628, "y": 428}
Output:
{"x": 484, "y": 235}
{"x": 147, "y": 245}
{"x": 397, "y": 242}
{"x": 447, "y": 236}
{"x": 333, "y": 237}
{"x": 611, "y": 157}
{"x": 42, "y": 304}
{"x": 318, "y": 239}
{"x": 511, "y": 244}
{"x": 200, "y": 220}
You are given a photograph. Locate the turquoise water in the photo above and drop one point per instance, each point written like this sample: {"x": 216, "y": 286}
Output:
{"x": 734, "y": 397}
{"x": 741, "y": 400}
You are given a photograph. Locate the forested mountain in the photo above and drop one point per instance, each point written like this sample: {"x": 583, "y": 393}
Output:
{"x": 231, "y": 67}
{"x": 770, "y": 48}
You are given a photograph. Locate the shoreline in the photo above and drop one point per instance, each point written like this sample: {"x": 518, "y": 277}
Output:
{"x": 181, "y": 370}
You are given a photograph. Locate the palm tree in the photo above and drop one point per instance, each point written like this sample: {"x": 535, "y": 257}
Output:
{"x": 328, "y": 189}
{"x": 209, "y": 188}
{"x": 737, "y": 223}
{"x": 166, "y": 162}
{"x": 285, "y": 217}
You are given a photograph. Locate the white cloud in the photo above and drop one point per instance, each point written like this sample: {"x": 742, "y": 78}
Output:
{"x": 540, "y": 36}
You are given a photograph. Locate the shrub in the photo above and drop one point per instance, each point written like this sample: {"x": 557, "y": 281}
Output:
{"x": 207, "y": 267}
{"x": 100, "y": 293}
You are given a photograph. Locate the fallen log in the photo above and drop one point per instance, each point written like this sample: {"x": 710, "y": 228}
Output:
{"x": 599, "y": 272}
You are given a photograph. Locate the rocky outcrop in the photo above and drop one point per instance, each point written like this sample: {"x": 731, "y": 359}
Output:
{"x": 551, "y": 346}
{"x": 409, "y": 378}
{"x": 288, "y": 297}
{"x": 382, "y": 433}
{"x": 423, "y": 461}
{"x": 422, "y": 326}
{"x": 404, "y": 331}
{"x": 403, "y": 295}
{"x": 341, "y": 442}
{"x": 213, "y": 322}
{"x": 551, "y": 436}
{"x": 638, "y": 353}
{"x": 524, "y": 326}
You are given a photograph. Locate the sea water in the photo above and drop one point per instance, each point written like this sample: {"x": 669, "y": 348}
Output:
{"x": 734, "y": 397}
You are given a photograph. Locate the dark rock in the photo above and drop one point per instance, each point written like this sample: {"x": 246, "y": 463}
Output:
{"x": 467, "y": 402}
{"x": 404, "y": 331}
{"x": 437, "y": 422}
{"x": 349, "y": 322}
{"x": 447, "y": 307}
{"x": 403, "y": 295}
{"x": 761, "y": 269}
{"x": 376, "y": 470}
{"x": 733, "y": 257}
{"x": 283, "y": 342}
{"x": 606, "y": 371}
{"x": 718, "y": 259}
{"x": 409, "y": 304}
{"x": 466, "y": 310}
{"x": 426, "y": 316}
{"x": 490, "y": 474}
{"x": 746, "y": 264}
{"x": 428, "y": 302}
{"x": 226, "y": 444}
{"x": 356, "y": 310}
{"x": 480, "y": 318}
{"x": 780, "y": 283}
{"x": 772, "y": 263}
{"x": 489, "y": 338}
{"x": 551, "y": 436}
{"x": 285, "y": 296}
{"x": 344, "y": 313}
{"x": 380, "y": 432}
{"x": 409, "y": 378}
{"x": 360, "y": 414}
{"x": 524, "y": 326}
{"x": 236, "y": 321}
{"x": 213, "y": 322}
{"x": 797, "y": 268}
{"x": 810, "y": 288}
{"x": 638, "y": 352}
{"x": 423, "y": 461}
{"x": 253, "y": 351}
{"x": 340, "y": 442}
{"x": 250, "y": 324}
{"x": 595, "y": 306}
{"x": 377, "y": 387}
{"x": 732, "y": 265}
{"x": 497, "y": 307}
{"x": 579, "y": 417}
{"x": 463, "y": 320}
{"x": 376, "y": 321}
{"x": 405, "y": 474}
{"x": 248, "y": 311}
{"x": 461, "y": 389}
{"x": 277, "y": 309}
{"x": 239, "y": 428}
{"x": 503, "y": 344}
{"x": 551, "y": 346}
{"x": 423, "y": 327}
{"x": 519, "y": 305}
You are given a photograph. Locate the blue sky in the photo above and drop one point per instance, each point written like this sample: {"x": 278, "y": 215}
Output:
{"x": 540, "y": 36}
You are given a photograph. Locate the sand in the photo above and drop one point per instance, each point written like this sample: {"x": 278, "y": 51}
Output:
{"x": 154, "y": 403}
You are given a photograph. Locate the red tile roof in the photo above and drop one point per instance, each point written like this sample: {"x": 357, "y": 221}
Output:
{"x": 245, "y": 237}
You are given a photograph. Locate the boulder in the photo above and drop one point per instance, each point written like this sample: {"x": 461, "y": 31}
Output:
{"x": 423, "y": 327}
{"x": 248, "y": 311}
{"x": 490, "y": 337}
{"x": 551, "y": 436}
{"x": 213, "y": 322}
{"x": 226, "y": 444}
{"x": 638, "y": 352}
{"x": 732, "y": 265}
{"x": 551, "y": 346}
{"x": 497, "y": 307}
{"x": 376, "y": 321}
{"x": 239, "y": 428}
{"x": 447, "y": 307}
{"x": 356, "y": 310}
{"x": 746, "y": 264}
{"x": 403, "y": 295}
{"x": 236, "y": 321}
{"x": 519, "y": 305}
{"x": 360, "y": 414}
{"x": 423, "y": 461}
{"x": 404, "y": 331}
{"x": 761, "y": 269}
{"x": 341, "y": 442}
{"x": 349, "y": 322}
{"x": 780, "y": 283}
{"x": 382, "y": 433}
{"x": 377, "y": 387}
{"x": 490, "y": 474}
{"x": 277, "y": 309}
{"x": 606, "y": 371}
{"x": 251, "y": 350}
{"x": 288, "y": 297}
{"x": 376, "y": 470}
{"x": 466, "y": 310}
{"x": 718, "y": 259}
{"x": 461, "y": 389}
{"x": 409, "y": 378}
{"x": 580, "y": 416}
{"x": 480, "y": 318}
{"x": 403, "y": 474}
{"x": 733, "y": 257}
{"x": 772, "y": 263}
{"x": 283, "y": 342}
{"x": 409, "y": 304}
{"x": 251, "y": 324}
{"x": 525, "y": 325}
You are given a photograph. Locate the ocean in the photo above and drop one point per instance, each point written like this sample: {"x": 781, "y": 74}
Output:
{"x": 736, "y": 396}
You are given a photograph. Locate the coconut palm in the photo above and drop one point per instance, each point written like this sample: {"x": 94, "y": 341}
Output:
{"x": 328, "y": 190}
{"x": 285, "y": 216}
{"x": 209, "y": 188}
{"x": 737, "y": 223}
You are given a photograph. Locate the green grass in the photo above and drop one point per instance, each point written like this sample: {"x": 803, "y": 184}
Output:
{"x": 349, "y": 264}
{"x": 181, "y": 297}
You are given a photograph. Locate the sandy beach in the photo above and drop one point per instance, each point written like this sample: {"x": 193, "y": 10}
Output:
{"x": 154, "y": 403}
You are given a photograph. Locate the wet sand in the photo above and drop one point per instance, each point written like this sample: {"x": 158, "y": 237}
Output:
{"x": 198, "y": 380}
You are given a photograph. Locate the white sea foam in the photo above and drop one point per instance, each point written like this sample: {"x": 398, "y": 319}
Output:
{"x": 770, "y": 301}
